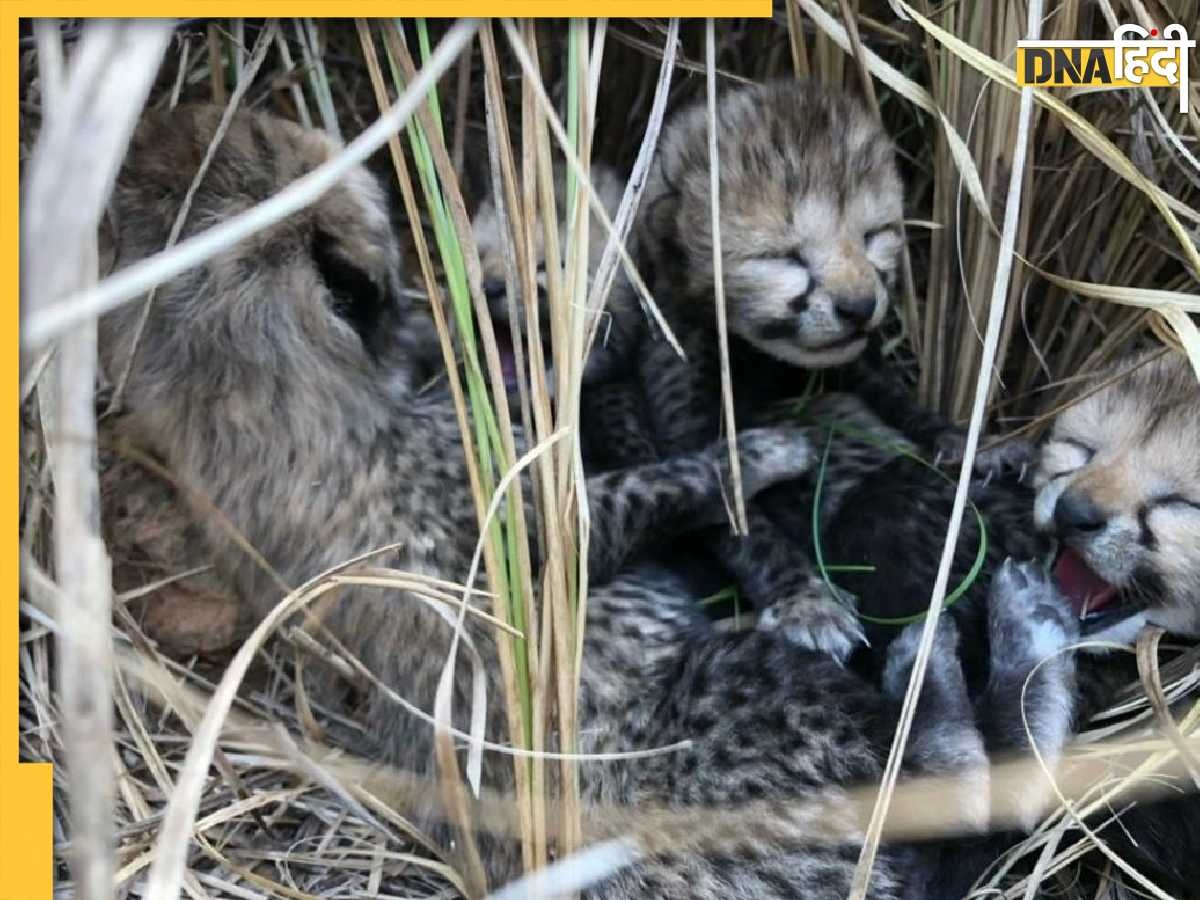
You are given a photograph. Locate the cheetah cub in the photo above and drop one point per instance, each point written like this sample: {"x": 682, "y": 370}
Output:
{"x": 1118, "y": 491}
{"x": 810, "y": 209}
{"x": 621, "y": 321}
{"x": 614, "y": 432}
{"x": 1119, "y": 487}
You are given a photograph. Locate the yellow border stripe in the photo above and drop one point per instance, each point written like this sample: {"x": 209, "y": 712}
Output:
{"x": 26, "y": 837}
{"x": 434, "y": 9}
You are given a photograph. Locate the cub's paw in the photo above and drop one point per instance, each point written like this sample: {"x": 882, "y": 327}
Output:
{"x": 1033, "y": 682}
{"x": 1028, "y": 619}
{"x": 902, "y": 653}
{"x": 813, "y": 619}
{"x": 945, "y": 740}
{"x": 1015, "y": 456}
{"x": 768, "y": 456}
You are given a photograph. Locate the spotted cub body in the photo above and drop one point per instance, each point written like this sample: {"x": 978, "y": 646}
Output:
{"x": 1114, "y": 510}
{"x": 276, "y": 383}
{"x": 810, "y": 207}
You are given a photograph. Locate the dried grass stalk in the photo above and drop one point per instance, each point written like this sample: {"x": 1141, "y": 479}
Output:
{"x": 1012, "y": 213}
{"x": 82, "y": 142}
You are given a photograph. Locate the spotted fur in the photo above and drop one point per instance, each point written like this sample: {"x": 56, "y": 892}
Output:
{"x": 810, "y": 212}
{"x": 1119, "y": 483}
{"x": 1109, "y": 460}
{"x": 277, "y": 383}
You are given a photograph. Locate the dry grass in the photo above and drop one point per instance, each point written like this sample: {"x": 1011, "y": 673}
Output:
{"x": 1092, "y": 254}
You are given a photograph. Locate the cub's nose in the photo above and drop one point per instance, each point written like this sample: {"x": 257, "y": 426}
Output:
{"x": 1075, "y": 513}
{"x": 494, "y": 289}
{"x": 855, "y": 310}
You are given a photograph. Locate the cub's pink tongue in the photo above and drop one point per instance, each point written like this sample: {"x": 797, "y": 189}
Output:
{"x": 508, "y": 357}
{"x": 1086, "y": 590}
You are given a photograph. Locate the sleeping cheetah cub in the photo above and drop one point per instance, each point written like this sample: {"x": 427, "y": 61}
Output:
{"x": 1119, "y": 490}
{"x": 614, "y": 431}
{"x": 1119, "y": 487}
{"x": 810, "y": 209}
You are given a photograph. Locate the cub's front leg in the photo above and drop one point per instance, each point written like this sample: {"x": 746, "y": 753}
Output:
{"x": 1030, "y": 697}
{"x": 777, "y": 576}
{"x": 889, "y": 398}
{"x": 771, "y": 568}
{"x": 635, "y": 508}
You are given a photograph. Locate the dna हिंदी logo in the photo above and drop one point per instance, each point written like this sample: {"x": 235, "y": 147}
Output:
{"x": 1133, "y": 58}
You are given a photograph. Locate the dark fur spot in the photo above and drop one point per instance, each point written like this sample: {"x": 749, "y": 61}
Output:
{"x": 779, "y": 330}
{"x": 722, "y": 760}
{"x": 799, "y": 303}
{"x": 1145, "y": 536}
{"x": 358, "y": 299}
{"x": 689, "y": 763}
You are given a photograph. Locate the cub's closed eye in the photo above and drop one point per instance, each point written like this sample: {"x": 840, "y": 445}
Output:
{"x": 874, "y": 233}
{"x": 1174, "y": 501}
{"x": 1083, "y": 448}
{"x": 788, "y": 257}
{"x": 1063, "y": 456}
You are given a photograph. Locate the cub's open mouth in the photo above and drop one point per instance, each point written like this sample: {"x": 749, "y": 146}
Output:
{"x": 841, "y": 343}
{"x": 508, "y": 354}
{"x": 1096, "y": 602}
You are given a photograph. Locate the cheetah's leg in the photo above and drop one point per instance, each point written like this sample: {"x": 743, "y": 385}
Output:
{"x": 778, "y": 578}
{"x": 636, "y": 507}
{"x": 944, "y": 741}
{"x": 887, "y": 397}
{"x": 769, "y": 567}
{"x": 1028, "y": 622}
{"x": 944, "y": 738}
{"x": 1030, "y": 695}
{"x": 682, "y": 395}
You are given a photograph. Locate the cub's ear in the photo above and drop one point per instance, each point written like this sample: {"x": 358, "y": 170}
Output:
{"x": 357, "y": 298}
{"x": 660, "y": 234}
{"x": 107, "y": 242}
